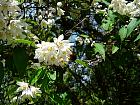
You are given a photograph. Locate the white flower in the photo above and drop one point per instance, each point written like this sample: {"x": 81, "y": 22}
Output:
{"x": 133, "y": 8}
{"x": 35, "y": 91}
{"x": 50, "y": 15}
{"x": 46, "y": 52}
{"x": 27, "y": 91}
{"x": 119, "y": 6}
{"x": 44, "y": 23}
{"x": 57, "y": 53}
{"x": 130, "y": 7}
{"x": 16, "y": 29}
{"x": 59, "y": 4}
{"x": 40, "y": 17}
{"x": 136, "y": 1}
{"x": 14, "y": 99}
{"x": 52, "y": 10}
{"x": 135, "y": 13}
{"x": 2, "y": 24}
{"x": 9, "y": 7}
{"x": 3, "y": 34}
{"x": 43, "y": 49}
{"x": 58, "y": 41}
{"x": 122, "y": 7}
{"x": 60, "y": 11}
{"x": 23, "y": 86}
{"x": 3, "y": 62}
{"x": 3, "y": 30}
{"x": 49, "y": 23}
{"x": 30, "y": 92}
{"x": 87, "y": 41}
{"x": 10, "y": 29}
{"x": 27, "y": 94}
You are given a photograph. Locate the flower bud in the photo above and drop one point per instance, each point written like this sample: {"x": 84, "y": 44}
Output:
{"x": 40, "y": 17}
{"x": 59, "y": 4}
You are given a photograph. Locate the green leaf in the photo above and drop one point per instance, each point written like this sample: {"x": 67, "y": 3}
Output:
{"x": 36, "y": 77}
{"x": 99, "y": 47}
{"x": 45, "y": 81}
{"x": 111, "y": 15}
{"x": 114, "y": 49}
{"x": 85, "y": 36}
{"x": 63, "y": 95}
{"x": 138, "y": 37}
{"x": 81, "y": 62}
{"x": 123, "y": 33}
{"x": 132, "y": 25}
{"x": 26, "y": 42}
{"x": 52, "y": 75}
{"x": 106, "y": 2}
{"x": 20, "y": 60}
{"x": 107, "y": 25}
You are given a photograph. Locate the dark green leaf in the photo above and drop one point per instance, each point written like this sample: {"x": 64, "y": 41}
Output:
{"x": 20, "y": 60}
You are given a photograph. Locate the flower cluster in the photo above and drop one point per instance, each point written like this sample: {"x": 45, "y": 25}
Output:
{"x": 124, "y": 8}
{"x": 47, "y": 24}
{"x": 10, "y": 26}
{"x": 8, "y": 8}
{"x": 50, "y": 21}
{"x": 28, "y": 92}
{"x": 54, "y": 53}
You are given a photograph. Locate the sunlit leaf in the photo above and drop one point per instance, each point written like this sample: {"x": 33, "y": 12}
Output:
{"x": 23, "y": 41}
{"x": 132, "y": 25}
{"x": 99, "y": 47}
{"x": 52, "y": 75}
{"x": 111, "y": 15}
{"x": 123, "y": 33}
{"x": 85, "y": 36}
{"x": 114, "y": 49}
{"x": 36, "y": 77}
{"x": 107, "y": 25}
{"x": 81, "y": 62}
{"x": 138, "y": 37}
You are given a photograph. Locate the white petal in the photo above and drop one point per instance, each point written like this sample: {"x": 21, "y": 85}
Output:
{"x": 55, "y": 40}
{"x": 22, "y": 84}
{"x": 61, "y": 37}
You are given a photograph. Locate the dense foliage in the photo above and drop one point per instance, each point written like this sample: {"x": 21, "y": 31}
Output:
{"x": 69, "y": 52}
